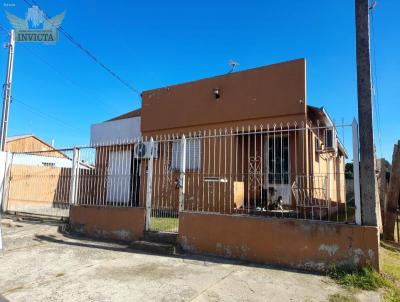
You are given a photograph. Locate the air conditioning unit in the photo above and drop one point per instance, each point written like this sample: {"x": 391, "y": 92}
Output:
{"x": 319, "y": 146}
{"x": 143, "y": 150}
{"x": 330, "y": 140}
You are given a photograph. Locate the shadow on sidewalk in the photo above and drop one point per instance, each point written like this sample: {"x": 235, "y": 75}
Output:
{"x": 73, "y": 239}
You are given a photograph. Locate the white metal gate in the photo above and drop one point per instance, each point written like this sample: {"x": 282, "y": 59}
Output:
{"x": 165, "y": 185}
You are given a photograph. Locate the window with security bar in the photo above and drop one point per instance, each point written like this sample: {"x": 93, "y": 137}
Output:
{"x": 193, "y": 162}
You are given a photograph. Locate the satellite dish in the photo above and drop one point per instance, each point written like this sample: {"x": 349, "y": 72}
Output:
{"x": 233, "y": 65}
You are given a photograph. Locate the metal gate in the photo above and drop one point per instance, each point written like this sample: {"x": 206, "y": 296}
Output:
{"x": 40, "y": 182}
{"x": 164, "y": 188}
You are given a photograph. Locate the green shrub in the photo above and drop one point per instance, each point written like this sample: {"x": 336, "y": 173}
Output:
{"x": 365, "y": 278}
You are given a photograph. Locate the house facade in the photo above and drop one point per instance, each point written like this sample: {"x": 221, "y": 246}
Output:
{"x": 250, "y": 140}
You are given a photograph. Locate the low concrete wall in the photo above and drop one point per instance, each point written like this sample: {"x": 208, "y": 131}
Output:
{"x": 287, "y": 242}
{"x": 119, "y": 223}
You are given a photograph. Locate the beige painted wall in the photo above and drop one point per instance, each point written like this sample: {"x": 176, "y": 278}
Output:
{"x": 38, "y": 185}
{"x": 275, "y": 91}
{"x": 117, "y": 223}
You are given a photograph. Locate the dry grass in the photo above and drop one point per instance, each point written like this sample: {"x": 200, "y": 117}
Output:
{"x": 342, "y": 298}
{"x": 390, "y": 269}
{"x": 353, "y": 278}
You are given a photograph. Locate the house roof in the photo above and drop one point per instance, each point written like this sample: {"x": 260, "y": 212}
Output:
{"x": 130, "y": 114}
{"x": 321, "y": 115}
{"x": 23, "y": 136}
{"x": 16, "y": 137}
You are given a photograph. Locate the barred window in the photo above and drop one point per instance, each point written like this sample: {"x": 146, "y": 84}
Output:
{"x": 193, "y": 162}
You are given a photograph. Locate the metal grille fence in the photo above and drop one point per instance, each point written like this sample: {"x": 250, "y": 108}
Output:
{"x": 39, "y": 183}
{"x": 284, "y": 170}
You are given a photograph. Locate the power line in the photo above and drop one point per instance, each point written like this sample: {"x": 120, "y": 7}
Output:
{"x": 65, "y": 77}
{"x": 4, "y": 29}
{"x": 41, "y": 113}
{"x": 88, "y": 53}
{"x": 46, "y": 115}
{"x": 62, "y": 74}
{"x": 34, "y": 110}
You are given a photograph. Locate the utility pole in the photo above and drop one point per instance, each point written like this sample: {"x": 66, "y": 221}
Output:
{"x": 367, "y": 154}
{"x": 7, "y": 91}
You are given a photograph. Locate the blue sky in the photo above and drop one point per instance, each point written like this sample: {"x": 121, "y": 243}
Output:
{"x": 59, "y": 91}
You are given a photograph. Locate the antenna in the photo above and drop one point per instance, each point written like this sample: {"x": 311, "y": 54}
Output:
{"x": 233, "y": 65}
{"x": 373, "y": 5}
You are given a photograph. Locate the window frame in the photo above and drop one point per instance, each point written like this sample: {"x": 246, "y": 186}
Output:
{"x": 193, "y": 154}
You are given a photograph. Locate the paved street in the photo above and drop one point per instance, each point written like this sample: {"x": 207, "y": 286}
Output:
{"x": 40, "y": 264}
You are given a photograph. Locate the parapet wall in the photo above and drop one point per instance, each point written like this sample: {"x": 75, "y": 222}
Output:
{"x": 301, "y": 244}
{"x": 117, "y": 223}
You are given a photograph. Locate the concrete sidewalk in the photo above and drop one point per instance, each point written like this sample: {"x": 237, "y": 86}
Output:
{"x": 40, "y": 264}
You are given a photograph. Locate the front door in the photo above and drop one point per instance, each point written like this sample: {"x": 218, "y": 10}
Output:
{"x": 119, "y": 176}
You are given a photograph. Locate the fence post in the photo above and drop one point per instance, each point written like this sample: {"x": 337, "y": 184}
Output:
{"x": 5, "y": 164}
{"x": 73, "y": 188}
{"x": 3, "y": 191}
{"x": 356, "y": 172}
{"x": 149, "y": 184}
{"x": 182, "y": 170}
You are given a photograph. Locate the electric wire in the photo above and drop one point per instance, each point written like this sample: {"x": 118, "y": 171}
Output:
{"x": 36, "y": 110}
{"x": 87, "y": 52}
{"x": 68, "y": 79}
{"x": 46, "y": 115}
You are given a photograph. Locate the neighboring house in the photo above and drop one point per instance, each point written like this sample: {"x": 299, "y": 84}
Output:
{"x": 27, "y": 143}
{"x": 36, "y": 152}
{"x": 30, "y": 150}
{"x": 122, "y": 128}
{"x": 39, "y": 174}
{"x": 310, "y": 154}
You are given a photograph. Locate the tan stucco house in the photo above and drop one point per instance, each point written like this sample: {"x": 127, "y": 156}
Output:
{"x": 276, "y": 141}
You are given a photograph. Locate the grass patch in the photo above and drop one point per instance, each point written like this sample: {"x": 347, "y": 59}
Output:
{"x": 390, "y": 259}
{"x": 390, "y": 267}
{"x": 164, "y": 224}
{"x": 342, "y": 298}
{"x": 366, "y": 278}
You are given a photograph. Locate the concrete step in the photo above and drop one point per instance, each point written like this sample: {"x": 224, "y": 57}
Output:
{"x": 159, "y": 237}
{"x": 154, "y": 247}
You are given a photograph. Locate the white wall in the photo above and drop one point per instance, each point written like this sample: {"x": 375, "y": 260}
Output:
{"x": 108, "y": 133}
{"x": 40, "y": 160}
